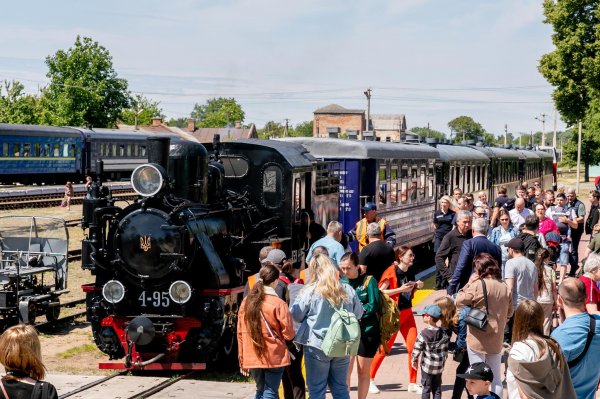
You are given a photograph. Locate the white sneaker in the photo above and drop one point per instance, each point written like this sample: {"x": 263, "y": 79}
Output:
{"x": 416, "y": 388}
{"x": 373, "y": 388}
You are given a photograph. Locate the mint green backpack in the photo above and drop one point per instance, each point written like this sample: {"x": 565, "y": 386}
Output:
{"x": 343, "y": 335}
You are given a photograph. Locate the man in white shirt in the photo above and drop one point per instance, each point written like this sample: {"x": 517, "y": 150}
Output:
{"x": 519, "y": 213}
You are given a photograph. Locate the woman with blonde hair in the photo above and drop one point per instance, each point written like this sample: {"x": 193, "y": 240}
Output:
{"x": 313, "y": 309}
{"x": 536, "y": 365}
{"x": 264, "y": 324}
{"x": 21, "y": 356}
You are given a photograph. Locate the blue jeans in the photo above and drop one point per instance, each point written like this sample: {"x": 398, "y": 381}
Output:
{"x": 322, "y": 371}
{"x": 267, "y": 382}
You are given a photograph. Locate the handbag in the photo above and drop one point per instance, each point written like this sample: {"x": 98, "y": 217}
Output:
{"x": 478, "y": 318}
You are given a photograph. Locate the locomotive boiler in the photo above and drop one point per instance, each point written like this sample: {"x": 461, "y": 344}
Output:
{"x": 169, "y": 267}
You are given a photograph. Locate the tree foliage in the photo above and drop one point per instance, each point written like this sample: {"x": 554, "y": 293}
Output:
{"x": 146, "y": 110}
{"x": 178, "y": 122}
{"x": 16, "y": 106}
{"x": 271, "y": 129}
{"x": 84, "y": 88}
{"x": 303, "y": 129}
{"x": 218, "y": 112}
{"x": 427, "y": 132}
{"x": 573, "y": 68}
{"x": 465, "y": 128}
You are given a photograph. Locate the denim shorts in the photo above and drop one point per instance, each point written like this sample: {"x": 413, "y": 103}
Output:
{"x": 563, "y": 257}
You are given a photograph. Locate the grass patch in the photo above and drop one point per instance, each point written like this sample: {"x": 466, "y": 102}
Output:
{"x": 69, "y": 353}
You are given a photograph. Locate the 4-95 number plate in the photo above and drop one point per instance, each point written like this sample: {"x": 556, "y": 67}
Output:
{"x": 156, "y": 299}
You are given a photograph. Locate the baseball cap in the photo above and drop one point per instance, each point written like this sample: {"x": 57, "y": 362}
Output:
{"x": 276, "y": 256}
{"x": 432, "y": 310}
{"x": 516, "y": 243}
{"x": 478, "y": 371}
{"x": 369, "y": 206}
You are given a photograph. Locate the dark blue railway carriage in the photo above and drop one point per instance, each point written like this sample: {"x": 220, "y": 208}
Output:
{"x": 39, "y": 153}
{"x": 503, "y": 169}
{"x": 399, "y": 178}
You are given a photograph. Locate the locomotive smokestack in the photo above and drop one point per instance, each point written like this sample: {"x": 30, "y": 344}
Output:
{"x": 158, "y": 151}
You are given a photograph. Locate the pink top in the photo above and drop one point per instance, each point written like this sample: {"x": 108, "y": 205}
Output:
{"x": 547, "y": 225}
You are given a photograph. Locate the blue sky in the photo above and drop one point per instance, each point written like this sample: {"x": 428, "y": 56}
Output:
{"x": 431, "y": 60}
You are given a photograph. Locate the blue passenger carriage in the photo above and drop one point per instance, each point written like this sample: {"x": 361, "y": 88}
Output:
{"x": 31, "y": 154}
{"x": 399, "y": 178}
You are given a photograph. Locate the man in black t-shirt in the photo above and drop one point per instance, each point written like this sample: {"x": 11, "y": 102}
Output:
{"x": 377, "y": 255}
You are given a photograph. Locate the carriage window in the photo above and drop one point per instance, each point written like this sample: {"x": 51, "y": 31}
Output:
{"x": 128, "y": 150}
{"x": 298, "y": 195}
{"x": 431, "y": 180}
{"x": 142, "y": 151}
{"x": 234, "y": 166}
{"x": 272, "y": 186}
{"x": 17, "y": 150}
{"x": 36, "y": 150}
{"x": 121, "y": 150}
{"x": 113, "y": 151}
{"x": 56, "y": 150}
{"x": 26, "y": 149}
{"x": 422, "y": 182}
{"x": 403, "y": 183}
{"x": 4, "y": 149}
{"x": 65, "y": 150}
{"x": 327, "y": 178}
{"x": 72, "y": 150}
{"x": 46, "y": 150}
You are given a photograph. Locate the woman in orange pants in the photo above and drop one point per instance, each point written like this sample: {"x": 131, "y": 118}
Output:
{"x": 398, "y": 281}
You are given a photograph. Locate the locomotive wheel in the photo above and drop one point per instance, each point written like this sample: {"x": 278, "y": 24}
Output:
{"x": 52, "y": 312}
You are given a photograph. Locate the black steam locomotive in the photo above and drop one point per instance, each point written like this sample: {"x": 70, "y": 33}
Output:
{"x": 170, "y": 267}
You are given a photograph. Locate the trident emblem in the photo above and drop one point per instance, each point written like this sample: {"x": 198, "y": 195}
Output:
{"x": 145, "y": 243}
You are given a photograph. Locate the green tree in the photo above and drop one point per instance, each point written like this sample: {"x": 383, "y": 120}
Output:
{"x": 573, "y": 68}
{"x": 271, "y": 129}
{"x": 427, "y": 132}
{"x": 465, "y": 128}
{"x": 84, "y": 88}
{"x": 303, "y": 129}
{"x": 145, "y": 108}
{"x": 179, "y": 122}
{"x": 16, "y": 106}
{"x": 218, "y": 112}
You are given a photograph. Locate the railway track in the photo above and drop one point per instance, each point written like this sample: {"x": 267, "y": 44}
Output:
{"x": 153, "y": 389}
{"x": 54, "y": 199}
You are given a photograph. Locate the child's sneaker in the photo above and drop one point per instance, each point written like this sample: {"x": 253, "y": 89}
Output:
{"x": 373, "y": 388}
{"x": 416, "y": 388}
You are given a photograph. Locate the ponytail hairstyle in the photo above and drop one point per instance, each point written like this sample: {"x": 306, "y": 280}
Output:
{"x": 541, "y": 258}
{"x": 267, "y": 274}
{"x": 529, "y": 324}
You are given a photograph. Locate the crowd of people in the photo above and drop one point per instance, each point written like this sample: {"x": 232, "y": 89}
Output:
{"x": 518, "y": 294}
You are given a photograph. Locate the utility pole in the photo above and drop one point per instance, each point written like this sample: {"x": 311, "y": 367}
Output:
{"x": 542, "y": 119}
{"x": 505, "y": 133}
{"x": 578, "y": 159}
{"x": 554, "y": 137}
{"x": 367, "y": 93}
{"x": 285, "y": 132}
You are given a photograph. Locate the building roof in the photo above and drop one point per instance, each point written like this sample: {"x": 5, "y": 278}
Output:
{"x": 337, "y": 109}
{"x": 205, "y": 135}
{"x": 395, "y": 122}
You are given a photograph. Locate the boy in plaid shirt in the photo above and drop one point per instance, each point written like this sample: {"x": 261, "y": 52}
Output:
{"x": 432, "y": 345}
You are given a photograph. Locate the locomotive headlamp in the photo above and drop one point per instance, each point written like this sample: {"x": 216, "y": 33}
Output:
{"x": 113, "y": 291}
{"x": 180, "y": 292}
{"x": 149, "y": 179}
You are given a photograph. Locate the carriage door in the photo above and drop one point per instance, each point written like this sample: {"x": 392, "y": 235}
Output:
{"x": 302, "y": 216}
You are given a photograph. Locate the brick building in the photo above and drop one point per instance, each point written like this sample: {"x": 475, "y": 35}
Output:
{"x": 334, "y": 119}
{"x": 389, "y": 127}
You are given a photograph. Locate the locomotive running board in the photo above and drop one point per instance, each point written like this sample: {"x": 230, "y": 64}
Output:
{"x": 154, "y": 366}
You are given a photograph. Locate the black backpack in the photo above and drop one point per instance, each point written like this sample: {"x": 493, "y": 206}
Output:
{"x": 510, "y": 204}
{"x": 531, "y": 246}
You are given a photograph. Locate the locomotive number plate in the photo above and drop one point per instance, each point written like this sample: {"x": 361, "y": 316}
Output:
{"x": 156, "y": 299}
